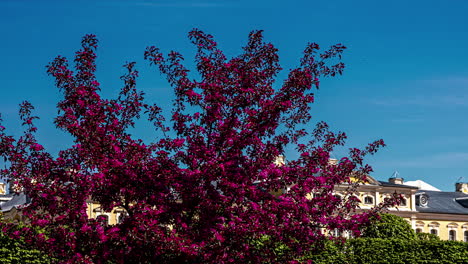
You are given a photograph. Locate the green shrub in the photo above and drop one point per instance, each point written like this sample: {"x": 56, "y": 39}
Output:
{"x": 392, "y": 251}
{"x": 427, "y": 236}
{"x": 390, "y": 226}
{"x": 14, "y": 252}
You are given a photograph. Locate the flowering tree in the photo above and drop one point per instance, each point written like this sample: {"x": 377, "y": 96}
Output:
{"x": 207, "y": 190}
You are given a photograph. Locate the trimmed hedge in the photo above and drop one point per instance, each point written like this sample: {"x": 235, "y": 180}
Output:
{"x": 392, "y": 251}
{"x": 390, "y": 226}
{"x": 13, "y": 252}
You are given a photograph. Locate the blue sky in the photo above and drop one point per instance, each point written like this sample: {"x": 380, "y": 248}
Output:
{"x": 406, "y": 79}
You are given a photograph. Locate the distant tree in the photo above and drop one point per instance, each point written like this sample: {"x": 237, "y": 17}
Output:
{"x": 389, "y": 226}
{"x": 202, "y": 192}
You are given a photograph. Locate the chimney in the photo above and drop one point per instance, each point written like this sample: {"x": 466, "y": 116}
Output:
{"x": 461, "y": 187}
{"x": 396, "y": 179}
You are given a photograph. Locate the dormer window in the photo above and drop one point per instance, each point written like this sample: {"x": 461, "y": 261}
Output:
{"x": 368, "y": 200}
{"x": 403, "y": 202}
{"x": 422, "y": 199}
{"x": 463, "y": 201}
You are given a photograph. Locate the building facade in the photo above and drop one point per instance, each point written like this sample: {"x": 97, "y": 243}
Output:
{"x": 426, "y": 208}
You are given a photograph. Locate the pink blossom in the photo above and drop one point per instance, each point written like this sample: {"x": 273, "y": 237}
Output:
{"x": 207, "y": 189}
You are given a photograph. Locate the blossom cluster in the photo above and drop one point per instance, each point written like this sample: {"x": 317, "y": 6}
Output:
{"x": 207, "y": 189}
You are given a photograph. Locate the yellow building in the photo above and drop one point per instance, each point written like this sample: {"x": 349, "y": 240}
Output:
{"x": 11, "y": 204}
{"x": 427, "y": 209}
{"x": 95, "y": 211}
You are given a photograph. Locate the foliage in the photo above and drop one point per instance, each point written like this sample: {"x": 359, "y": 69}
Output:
{"x": 390, "y": 239}
{"x": 389, "y": 226}
{"x": 200, "y": 192}
{"x": 427, "y": 236}
{"x": 14, "y": 251}
{"x": 404, "y": 251}
{"x": 382, "y": 247}
{"x": 330, "y": 252}
{"x": 392, "y": 251}
{"x": 279, "y": 249}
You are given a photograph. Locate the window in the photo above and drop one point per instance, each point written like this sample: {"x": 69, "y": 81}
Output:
{"x": 120, "y": 217}
{"x": 419, "y": 227}
{"x": 403, "y": 202}
{"x": 434, "y": 231}
{"x": 336, "y": 232}
{"x": 346, "y": 234}
{"x": 103, "y": 219}
{"x": 368, "y": 200}
{"x": 465, "y": 236}
{"x": 422, "y": 199}
{"x": 452, "y": 235}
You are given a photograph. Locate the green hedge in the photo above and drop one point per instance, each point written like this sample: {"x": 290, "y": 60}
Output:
{"x": 353, "y": 251}
{"x": 390, "y": 226}
{"x": 392, "y": 251}
{"x": 13, "y": 252}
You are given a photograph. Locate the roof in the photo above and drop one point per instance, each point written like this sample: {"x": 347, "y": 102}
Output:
{"x": 422, "y": 185}
{"x": 372, "y": 181}
{"x": 389, "y": 184}
{"x": 463, "y": 201}
{"x": 6, "y": 196}
{"x": 17, "y": 200}
{"x": 444, "y": 202}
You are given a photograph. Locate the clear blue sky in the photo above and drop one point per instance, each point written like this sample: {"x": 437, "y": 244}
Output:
{"x": 406, "y": 79}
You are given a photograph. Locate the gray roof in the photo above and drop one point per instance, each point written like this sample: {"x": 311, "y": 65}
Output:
{"x": 444, "y": 202}
{"x": 17, "y": 200}
{"x": 6, "y": 196}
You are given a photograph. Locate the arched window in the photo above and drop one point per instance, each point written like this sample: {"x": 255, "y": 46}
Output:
{"x": 420, "y": 225}
{"x": 403, "y": 202}
{"x": 120, "y": 217}
{"x": 452, "y": 227}
{"x": 465, "y": 236}
{"x": 434, "y": 228}
{"x": 452, "y": 235}
{"x": 103, "y": 219}
{"x": 418, "y": 230}
{"x": 336, "y": 232}
{"x": 368, "y": 200}
{"x": 346, "y": 234}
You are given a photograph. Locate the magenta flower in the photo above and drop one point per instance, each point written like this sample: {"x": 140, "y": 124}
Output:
{"x": 207, "y": 190}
